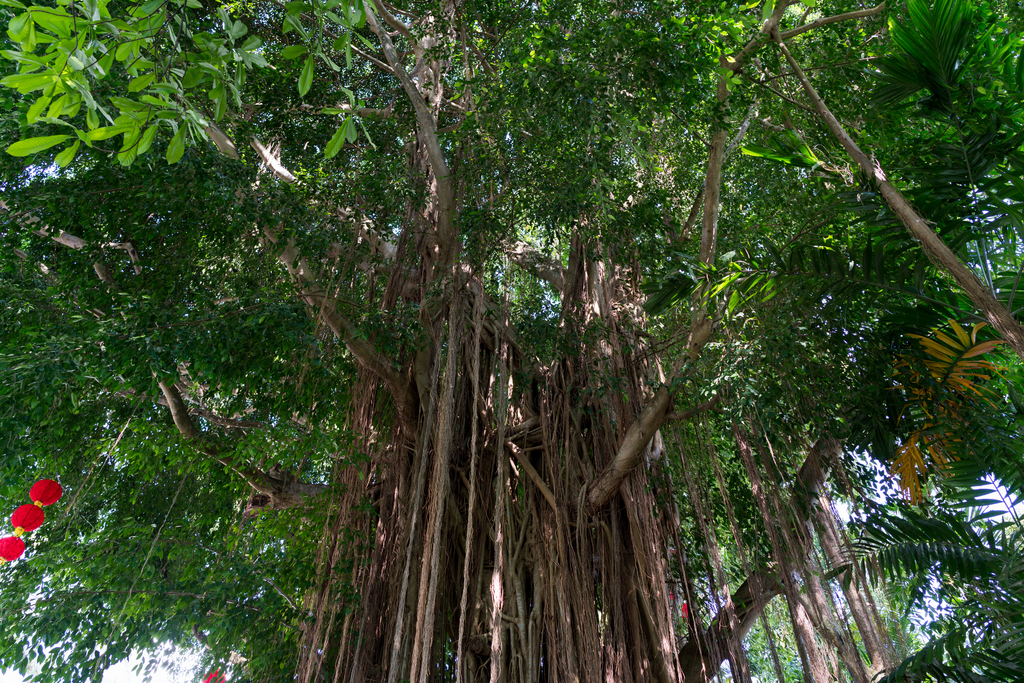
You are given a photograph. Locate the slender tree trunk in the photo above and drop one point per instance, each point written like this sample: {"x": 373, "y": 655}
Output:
{"x": 812, "y": 478}
{"x": 936, "y": 250}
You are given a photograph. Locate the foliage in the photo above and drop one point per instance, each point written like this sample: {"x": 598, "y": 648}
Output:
{"x": 573, "y": 132}
{"x": 940, "y": 392}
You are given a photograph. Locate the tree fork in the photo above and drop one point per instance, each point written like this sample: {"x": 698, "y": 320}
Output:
{"x": 284, "y": 492}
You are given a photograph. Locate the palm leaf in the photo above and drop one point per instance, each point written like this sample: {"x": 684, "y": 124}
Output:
{"x": 938, "y": 660}
{"x": 931, "y": 42}
{"x": 939, "y": 396}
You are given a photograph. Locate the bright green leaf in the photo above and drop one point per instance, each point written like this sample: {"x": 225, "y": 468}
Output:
{"x": 176, "y": 148}
{"x": 67, "y": 155}
{"x": 306, "y": 78}
{"x": 22, "y": 148}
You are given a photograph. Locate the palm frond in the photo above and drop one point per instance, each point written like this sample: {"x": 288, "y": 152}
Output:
{"x": 940, "y": 386}
{"x": 915, "y": 545}
{"x": 939, "y": 660}
{"x": 931, "y": 41}
{"x": 787, "y": 148}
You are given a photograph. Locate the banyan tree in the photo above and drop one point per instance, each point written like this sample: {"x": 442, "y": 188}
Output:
{"x": 483, "y": 341}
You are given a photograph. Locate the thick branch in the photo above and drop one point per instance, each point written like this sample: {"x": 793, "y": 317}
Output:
{"x": 179, "y": 411}
{"x": 424, "y": 116}
{"x": 758, "y": 41}
{"x": 284, "y": 492}
{"x": 824, "y": 21}
{"x": 701, "y": 658}
{"x": 548, "y": 269}
{"x": 223, "y": 142}
{"x": 327, "y": 311}
{"x": 693, "y": 412}
{"x": 938, "y": 253}
{"x": 533, "y": 474}
{"x": 427, "y": 135}
{"x": 103, "y": 273}
{"x": 272, "y": 161}
{"x": 640, "y": 433}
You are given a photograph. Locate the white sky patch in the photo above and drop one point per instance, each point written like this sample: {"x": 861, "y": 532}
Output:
{"x": 184, "y": 667}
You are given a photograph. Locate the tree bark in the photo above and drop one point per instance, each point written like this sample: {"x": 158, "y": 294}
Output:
{"x": 702, "y": 657}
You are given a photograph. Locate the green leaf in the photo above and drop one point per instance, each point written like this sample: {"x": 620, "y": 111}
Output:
{"x": 127, "y": 105}
{"x": 221, "y": 105}
{"x": 766, "y": 11}
{"x": 294, "y": 51}
{"x": 107, "y": 132}
{"x": 37, "y": 108}
{"x": 67, "y": 155}
{"x": 137, "y": 84}
{"x": 17, "y": 27}
{"x": 193, "y": 76}
{"x": 57, "y": 107}
{"x": 102, "y": 67}
{"x": 54, "y": 20}
{"x": 125, "y": 50}
{"x": 127, "y": 156}
{"x": 306, "y": 78}
{"x": 22, "y": 148}
{"x": 26, "y": 83}
{"x": 336, "y": 141}
{"x": 176, "y": 148}
{"x": 147, "y": 139}
{"x": 75, "y": 62}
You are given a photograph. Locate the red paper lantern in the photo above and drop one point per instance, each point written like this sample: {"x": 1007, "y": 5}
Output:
{"x": 45, "y": 492}
{"x": 11, "y": 548}
{"x": 27, "y": 518}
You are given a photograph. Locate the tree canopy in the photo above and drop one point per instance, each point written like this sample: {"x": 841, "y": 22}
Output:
{"x": 465, "y": 340}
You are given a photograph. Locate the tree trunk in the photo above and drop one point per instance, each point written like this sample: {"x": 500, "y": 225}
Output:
{"x": 812, "y": 478}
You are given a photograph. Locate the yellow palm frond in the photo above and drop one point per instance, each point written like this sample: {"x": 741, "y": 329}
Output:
{"x": 910, "y": 468}
{"x": 938, "y": 388}
{"x": 949, "y": 356}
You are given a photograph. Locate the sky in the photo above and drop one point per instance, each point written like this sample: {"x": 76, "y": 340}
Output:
{"x": 122, "y": 673}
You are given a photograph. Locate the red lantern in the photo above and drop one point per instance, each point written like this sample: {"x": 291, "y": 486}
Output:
{"x": 45, "y": 492}
{"x": 27, "y": 518}
{"x": 11, "y": 548}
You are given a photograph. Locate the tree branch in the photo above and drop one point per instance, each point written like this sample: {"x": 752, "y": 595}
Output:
{"x": 603, "y": 489}
{"x": 693, "y": 412}
{"x": 327, "y": 312}
{"x": 934, "y": 248}
{"x": 179, "y": 411}
{"x": 824, "y": 21}
{"x": 766, "y": 31}
{"x": 427, "y": 134}
{"x": 283, "y": 490}
{"x": 702, "y": 657}
{"x": 530, "y": 259}
{"x": 533, "y": 474}
{"x": 272, "y": 161}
